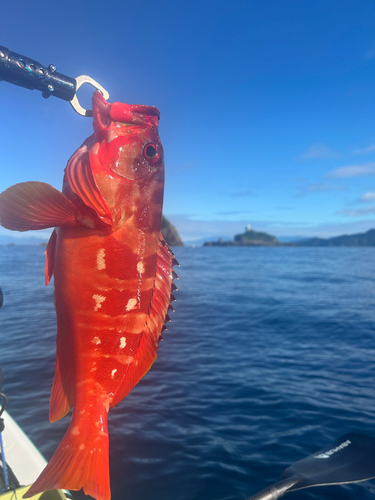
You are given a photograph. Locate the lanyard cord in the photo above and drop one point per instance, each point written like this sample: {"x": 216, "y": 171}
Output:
{"x": 6, "y": 480}
{"x": 2, "y": 408}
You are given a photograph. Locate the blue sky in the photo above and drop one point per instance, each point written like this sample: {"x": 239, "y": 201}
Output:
{"x": 267, "y": 107}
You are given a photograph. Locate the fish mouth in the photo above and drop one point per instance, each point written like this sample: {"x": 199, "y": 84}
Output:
{"x": 131, "y": 114}
{"x": 120, "y": 110}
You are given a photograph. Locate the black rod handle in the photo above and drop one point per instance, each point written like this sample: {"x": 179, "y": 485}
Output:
{"x": 25, "y": 72}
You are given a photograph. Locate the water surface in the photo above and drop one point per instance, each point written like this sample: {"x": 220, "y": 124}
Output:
{"x": 269, "y": 357}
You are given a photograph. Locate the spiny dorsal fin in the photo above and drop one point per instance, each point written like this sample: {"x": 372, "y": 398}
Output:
{"x": 152, "y": 334}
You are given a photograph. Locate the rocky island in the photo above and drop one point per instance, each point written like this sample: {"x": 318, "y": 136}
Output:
{"x": 257, "y": 238}
{"x": 249, "y": 238}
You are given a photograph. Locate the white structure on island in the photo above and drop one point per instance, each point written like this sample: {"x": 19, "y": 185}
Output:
{"x": 248, "y": 227}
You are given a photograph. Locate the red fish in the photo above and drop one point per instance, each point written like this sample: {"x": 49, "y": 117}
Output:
{"x": 113, "y": 281}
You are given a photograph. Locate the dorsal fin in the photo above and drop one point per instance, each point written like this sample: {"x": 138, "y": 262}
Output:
{"x": 151, "y": 335}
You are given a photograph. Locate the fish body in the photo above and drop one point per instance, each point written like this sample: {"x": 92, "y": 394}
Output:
{"x": 113, "y": 281}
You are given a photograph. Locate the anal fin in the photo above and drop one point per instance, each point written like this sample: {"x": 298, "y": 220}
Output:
{"x": 61, "y": 396}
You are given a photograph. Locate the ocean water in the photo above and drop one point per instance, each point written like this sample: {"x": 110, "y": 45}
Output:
{"x": 270, "y": 356}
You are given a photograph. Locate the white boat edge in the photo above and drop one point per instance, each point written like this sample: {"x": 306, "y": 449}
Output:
{"x": 26, "y": 462}
{"x": 22, "y": 456}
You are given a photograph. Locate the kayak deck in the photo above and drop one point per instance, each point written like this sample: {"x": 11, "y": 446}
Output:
{"x": 24, "y": 464}
{"x": 46, "y": 495}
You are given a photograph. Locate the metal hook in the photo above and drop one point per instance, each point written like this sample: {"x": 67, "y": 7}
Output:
{"x": 80, "y": 81}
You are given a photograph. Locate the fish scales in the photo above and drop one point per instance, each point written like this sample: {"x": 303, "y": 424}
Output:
{"x": 113, "y": 281}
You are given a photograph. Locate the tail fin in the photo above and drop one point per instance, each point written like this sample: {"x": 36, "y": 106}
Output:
{"x": 80, "y": 461}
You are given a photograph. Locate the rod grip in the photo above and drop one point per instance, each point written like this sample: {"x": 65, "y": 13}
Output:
{"x": 25, "y": 72}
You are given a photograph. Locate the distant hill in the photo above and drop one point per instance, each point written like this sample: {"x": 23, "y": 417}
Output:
{"x": 291, "y": 239}
{"x": 347, "y": 240}
{"x": 23, "y": 240}
{"x": 249, "y": 238}
{"x": 170, "y": 233}
{"x": 168, "y": 230}
{"x": 256, "y": 238}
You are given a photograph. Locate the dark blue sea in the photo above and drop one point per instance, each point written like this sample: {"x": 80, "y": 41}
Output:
{"x": 270, "y": 356}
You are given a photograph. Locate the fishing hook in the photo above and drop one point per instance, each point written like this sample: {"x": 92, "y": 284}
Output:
{"x": 25, "y": 72}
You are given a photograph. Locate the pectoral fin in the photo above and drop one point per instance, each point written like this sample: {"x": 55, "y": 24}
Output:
{"x": 36, "y": 205}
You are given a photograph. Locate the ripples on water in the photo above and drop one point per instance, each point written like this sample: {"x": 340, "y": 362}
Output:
{"x": 269, "y": 357}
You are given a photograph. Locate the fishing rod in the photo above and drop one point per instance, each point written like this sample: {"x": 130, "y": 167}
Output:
{"x": 350, "y": 459}
{"x": 25, "y": 72}
{"x": 3, "y": 405}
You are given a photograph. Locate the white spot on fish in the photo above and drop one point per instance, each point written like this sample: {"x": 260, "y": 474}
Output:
{"x": 96, "y": 341}
{"x": 140, "y": 267}
{"x": 122, "y": 342}
{"x": 98, "y": 301}
{"x": 82, "y": 447}
{"x": 100, "y": 259}
{"x": 131, "y": 304}
{"x": 113, "y": 373}
{"x": 75, "y": 431}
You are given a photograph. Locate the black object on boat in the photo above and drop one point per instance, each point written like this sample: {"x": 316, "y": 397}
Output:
{"x": 350, "y": 459}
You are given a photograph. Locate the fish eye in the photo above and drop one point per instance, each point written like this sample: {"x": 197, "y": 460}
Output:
{"x": 152, "y": 154}
{"x": 150, "y": 151}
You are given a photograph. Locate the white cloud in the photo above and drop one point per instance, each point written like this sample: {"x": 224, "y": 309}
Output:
{"x": 191, "y": 230}
{"x": 353, "y": 171}
{"x": 365, "y": 151}
{"x": 234, "y": 212}
{"x": 241, "y": 194}
{"x": 371, "y": 53}
{"x": 370, "y": 196}
{"x": 357, "y": 212}
{"x": 318, "y": 151}
{"x": 320, "y": 187}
